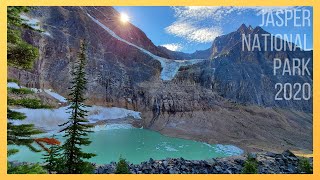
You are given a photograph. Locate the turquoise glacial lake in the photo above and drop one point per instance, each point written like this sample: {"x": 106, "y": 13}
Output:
{"x": 137, "y": 145}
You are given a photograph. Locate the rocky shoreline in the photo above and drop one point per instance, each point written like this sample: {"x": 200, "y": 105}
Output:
{"x": 268, "y": 163}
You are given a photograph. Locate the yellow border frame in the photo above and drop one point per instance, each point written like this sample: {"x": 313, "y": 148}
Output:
{"x": 3, "y": 79}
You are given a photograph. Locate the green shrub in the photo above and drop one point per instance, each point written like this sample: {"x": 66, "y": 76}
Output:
{"x": 122, "y": 167}
{"x": 20, "y": 91}
{"x": 52, "y": 159}
{"x": 26, "y": 169}
{"x": 305, "y": 166}
{"x": 61, "y": 167}
{"x": 87, "y": 168}
{"x": 21, "y": 55}
{"x": 250, "y": 166}
{"x": 28, "y": 103}
{"x": 12, "y": 152}
{"x": 13, "y": 80}
{"x": 15, "y": 115}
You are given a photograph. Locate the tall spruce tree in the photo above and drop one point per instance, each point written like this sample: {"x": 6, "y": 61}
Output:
{"x": 76, "y": 128}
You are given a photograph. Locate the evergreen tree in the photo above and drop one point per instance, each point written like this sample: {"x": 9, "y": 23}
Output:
{"x": 122, "y": 167}
{"x": 52, "y": 159}
{"x": 19, "y": 53}
{"x": 22, "y": 55}
{"x": 76, "y": 128}
{"x": 250, "y": 166}
{"x": 19, "y": 134}
{"x": 26, "y": 169}
{"x": 304, "y": 166}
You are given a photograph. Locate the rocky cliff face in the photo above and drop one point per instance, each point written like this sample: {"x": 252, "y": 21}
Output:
{"x": 112, "y": 64}
{"x": 227, "y": 98}
{"x": 247, "y": 76}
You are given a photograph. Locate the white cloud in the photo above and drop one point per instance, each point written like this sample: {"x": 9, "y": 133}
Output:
{"x": 204, "y": 35}
{"x": 202, "y": 24}
{"x": 189, "y": 24}
{"x": 195, "y": 11}
{"x": 218, "y": 12}
{"x": 173, "y": 46}
{"x": 193, "y": 33}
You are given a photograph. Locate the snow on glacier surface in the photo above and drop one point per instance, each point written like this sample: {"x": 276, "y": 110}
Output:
{"x": 49, "y": 119}
{"x": 98, "y": 113}
{"x": 170, "y": 67}
{"x": 111, "y": 127}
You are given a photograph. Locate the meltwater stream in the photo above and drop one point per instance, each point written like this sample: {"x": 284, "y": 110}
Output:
{"x": 137, "y": 145}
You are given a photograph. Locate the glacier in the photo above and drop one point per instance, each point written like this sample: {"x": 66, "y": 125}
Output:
{"x": 49, "y": 119}
{"x": 111, "y": 127}
{"x": 170, "y": 67}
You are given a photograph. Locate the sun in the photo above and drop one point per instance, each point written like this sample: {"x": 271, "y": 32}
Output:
{"x": 124, "y": 17}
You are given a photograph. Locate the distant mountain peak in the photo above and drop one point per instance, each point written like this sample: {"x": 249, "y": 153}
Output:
{"x": 243, "y": 29}
{"x": 259, "y": 30}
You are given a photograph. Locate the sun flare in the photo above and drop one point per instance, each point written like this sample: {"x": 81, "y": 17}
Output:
{"x": 124, "y": 17}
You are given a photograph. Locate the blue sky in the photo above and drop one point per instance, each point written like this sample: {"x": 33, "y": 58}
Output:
{"x": 188, "y": 29}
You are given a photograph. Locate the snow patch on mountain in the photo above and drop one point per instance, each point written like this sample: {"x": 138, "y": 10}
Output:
{"x": 48, "y": 91}
{"x": 51, "y": 93}
{"x": 56, "y": 95}
{"x": 13, "y": 85}
{"x": 34, "y": 23}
